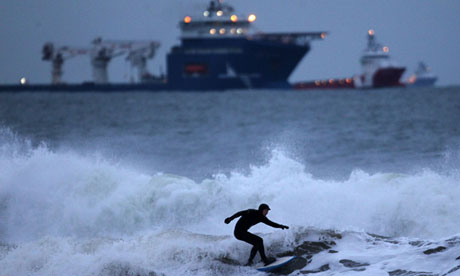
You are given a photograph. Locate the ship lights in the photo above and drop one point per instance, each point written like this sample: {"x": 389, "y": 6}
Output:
{"x": 252, "y": 17}
{"x": 239, "y": 31}
{"x": 234, "y": 18}
{"x": 212, "y": 31}
{"x": 233, "y": 31}
{"x": 222, "y": 31}
{"x": 323, "y": 35}
{"x": 220, "y": 13}
{"x": 23, "y": 81}
{"x": 386, "y": 49}
{"x": 187, "y": 19}
{"x": 206, "y": 13}
{"x": 370, "y": 32}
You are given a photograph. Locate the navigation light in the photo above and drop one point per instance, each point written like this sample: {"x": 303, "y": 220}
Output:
{"x": 252, "y": 17}
{"x": 234, "y": 18}
{"x": 187, "y": 19}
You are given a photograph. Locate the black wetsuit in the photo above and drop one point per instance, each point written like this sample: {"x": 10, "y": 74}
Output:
{"x": 248, "y": 219}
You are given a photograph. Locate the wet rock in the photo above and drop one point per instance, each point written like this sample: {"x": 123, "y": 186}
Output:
{"x": 458, "y": 258}
{"x": 333, "y": 251}
{"x": 416, "y": 243}
{"x": 383, "y": 238}
{"x": 310, "y": 248}
{"x": 350, "y": 263}
{"x": 453, "y": 270}
{"x": 333, "y": 234}
{"x": 228, "y": 260}
{"x": 125, "y": 269}
{"x": 296, "y": 264}
{"x": 321, "y": 269}
{"x": 434, "y": 250}
{"x": 400, "y": 272}
{"x": 453, "y": 241}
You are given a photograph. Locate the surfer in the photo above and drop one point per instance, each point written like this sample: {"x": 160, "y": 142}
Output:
{"x": 248, "y": 219}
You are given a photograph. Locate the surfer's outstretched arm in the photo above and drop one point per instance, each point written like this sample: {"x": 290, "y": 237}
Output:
{"x": 239, "y": 214}
{"x": 274, "y": 224}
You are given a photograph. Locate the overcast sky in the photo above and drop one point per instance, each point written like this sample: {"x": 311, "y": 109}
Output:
{"x": 414, "y": 30}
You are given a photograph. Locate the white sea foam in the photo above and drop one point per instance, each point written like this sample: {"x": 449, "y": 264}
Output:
{"x": 44, "y": 192}
{"x": 66, "y": 213}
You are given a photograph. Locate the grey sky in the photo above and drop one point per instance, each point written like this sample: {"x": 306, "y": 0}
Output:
{"x": 414, "y": 30}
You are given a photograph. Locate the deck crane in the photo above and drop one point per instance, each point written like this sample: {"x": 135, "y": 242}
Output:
{"x": 57, "y": 56}
{"x": 102, "y": 53}
{"x": 138, "y": 54}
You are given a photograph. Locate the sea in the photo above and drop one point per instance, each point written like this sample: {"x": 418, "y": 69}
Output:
{"x": 139, "y": 184}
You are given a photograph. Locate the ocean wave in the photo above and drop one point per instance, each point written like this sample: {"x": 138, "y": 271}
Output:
{"x": 46, "y": 192}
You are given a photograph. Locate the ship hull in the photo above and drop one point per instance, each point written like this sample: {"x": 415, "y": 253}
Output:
{"x": 238, "y": 63}
{"x": 387, "y": 77}
{"x": 87, "y": 87}
{"x": 422, "y": 82}
{"x": 345, "y": 83}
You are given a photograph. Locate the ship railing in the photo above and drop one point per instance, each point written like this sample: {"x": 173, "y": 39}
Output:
{"x": 290, "y": 38}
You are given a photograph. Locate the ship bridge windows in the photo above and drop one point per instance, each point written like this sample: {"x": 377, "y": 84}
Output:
{"x": 223, "y": 31}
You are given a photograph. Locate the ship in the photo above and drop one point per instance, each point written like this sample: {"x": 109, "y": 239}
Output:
{"x": 422, "y": 76}
{"x": 379, "y": 70}
{"x": 219, "y": 50}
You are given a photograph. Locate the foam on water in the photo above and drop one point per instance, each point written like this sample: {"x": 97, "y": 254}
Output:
{"x": 66, "y": 213}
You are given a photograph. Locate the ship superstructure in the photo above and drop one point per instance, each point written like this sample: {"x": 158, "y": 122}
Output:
{"x": 423, "y": 76}
{"x": 220, "y": 50}
{"x": 378, "y": 69}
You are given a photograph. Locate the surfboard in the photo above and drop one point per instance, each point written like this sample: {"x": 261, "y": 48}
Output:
{"x": 280, "y": 262}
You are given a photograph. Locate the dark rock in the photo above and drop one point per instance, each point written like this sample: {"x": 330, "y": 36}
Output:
{"x": 310, "y": 248}
{"x": 333, "y": 234}
{"x": 383, "y": 238}
{"x": 416, "y": 243}
{"x": 350, "y": 263}
{"x": 453, "y": 241}
{"x": 296, "y": 264}
{"x": 458, "y": 258}
{"x": 453, "y": 269}
{"x": 434, "y": 250}
{"x": 228, "y": 260}
{"x": 400, "y": 272}
{"x": 333, "y": 251}
{"x": 321, "y": 269}
{"x": 125, "y": 269}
